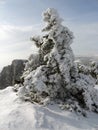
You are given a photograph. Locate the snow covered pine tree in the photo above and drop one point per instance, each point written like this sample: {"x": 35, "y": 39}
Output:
{"x": 52, "y": 73}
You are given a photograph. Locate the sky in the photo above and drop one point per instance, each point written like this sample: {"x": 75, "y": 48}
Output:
{"x": 21, "y": 19}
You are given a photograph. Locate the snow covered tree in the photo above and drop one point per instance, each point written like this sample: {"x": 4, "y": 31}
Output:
{"x": 90, "y": 69}
{"x": 52, "y": 73}
{"x": 94, "y": 70}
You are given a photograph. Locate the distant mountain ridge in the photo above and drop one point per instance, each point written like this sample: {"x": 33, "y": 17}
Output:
{"x": 86, "y": 59}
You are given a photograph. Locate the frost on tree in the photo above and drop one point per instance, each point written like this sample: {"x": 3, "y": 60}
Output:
{"x": 94, "y": 70}
{"x": 52, "y": 73}
{"x": 90, "y": 69}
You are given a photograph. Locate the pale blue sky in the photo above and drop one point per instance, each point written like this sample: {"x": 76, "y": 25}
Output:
{"x": 20, "y": 19}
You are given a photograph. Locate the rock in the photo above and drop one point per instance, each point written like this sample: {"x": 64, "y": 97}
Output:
{"x": 11, "y": 74}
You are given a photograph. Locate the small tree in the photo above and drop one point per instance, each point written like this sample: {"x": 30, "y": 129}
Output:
{"x": 52, "y": 73}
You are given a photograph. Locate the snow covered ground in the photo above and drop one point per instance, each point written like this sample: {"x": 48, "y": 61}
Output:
{"x": 18, "y": 115}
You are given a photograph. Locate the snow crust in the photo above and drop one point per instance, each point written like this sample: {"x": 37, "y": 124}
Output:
{"x": 18, "y": 115}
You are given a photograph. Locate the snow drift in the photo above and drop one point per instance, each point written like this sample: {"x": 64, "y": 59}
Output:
{"x": 18, "y": 115}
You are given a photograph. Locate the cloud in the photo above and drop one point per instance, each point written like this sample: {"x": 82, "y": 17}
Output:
{"x": 11, "y": 31}
{"x": 86, "y": 38}
{"x": 15, "y": 42}
{"x": 2, "y": 2}
{"x": 11, "y": 35}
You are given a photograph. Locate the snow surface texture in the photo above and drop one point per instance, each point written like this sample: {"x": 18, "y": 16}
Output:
{"x": 18, "y": 115}
{"x": 52, "y": 73}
